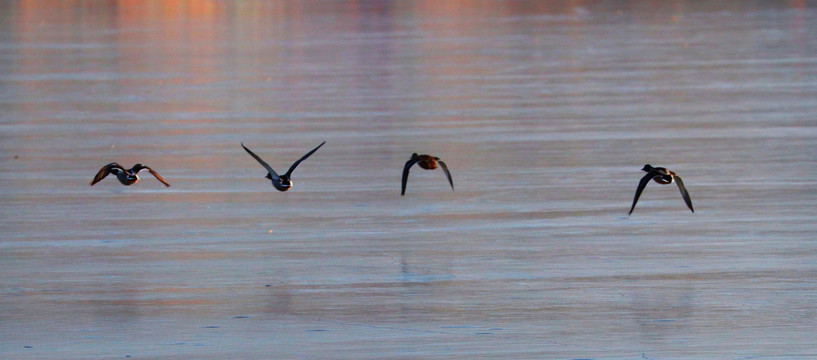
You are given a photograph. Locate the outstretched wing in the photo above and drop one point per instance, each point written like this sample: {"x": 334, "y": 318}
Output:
{"x": 641, "y": 185}
{"x": 105, "y": 171}
{"x": 262, "y": 162}
{"x": 447, "y": 173}
{"x": 406, "y": 168}
{"x": 139, "y": 167}
{"x": 684, "y": 192}
{"x": 294, "y": 165}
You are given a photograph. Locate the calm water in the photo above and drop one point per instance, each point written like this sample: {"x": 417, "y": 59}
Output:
{"x": 545, "y": 112}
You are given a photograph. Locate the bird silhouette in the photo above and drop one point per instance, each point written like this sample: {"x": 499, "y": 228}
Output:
{"x": 281, "y": 182}
{"x": 427, "y": 162}
{"x": 125, "y": 176}
{"x": 663, "y": 177}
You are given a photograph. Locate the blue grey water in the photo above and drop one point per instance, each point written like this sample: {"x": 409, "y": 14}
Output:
{"x": 545, "y": 112}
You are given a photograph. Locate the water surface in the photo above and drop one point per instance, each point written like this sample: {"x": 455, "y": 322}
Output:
{"x": 544, "y": 111}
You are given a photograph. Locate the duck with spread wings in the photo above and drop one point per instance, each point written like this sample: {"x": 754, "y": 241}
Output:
{"x": 427, "y": 162}
{"x": 663, "y": 177}
{"x": 125, "y": 176}
{"x": 280, "y": 182}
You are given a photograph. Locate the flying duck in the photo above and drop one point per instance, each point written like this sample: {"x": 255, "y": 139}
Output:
{"x": 125, "y": 176}
{"x": 663, "y": 177}
{"x": 427, "y": 162}
{"x": 281, "y": 182}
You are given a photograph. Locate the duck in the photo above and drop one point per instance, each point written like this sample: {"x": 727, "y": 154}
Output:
{"x": 281, "y": 182}
{"x": 663, "y": 177}
{"x": 126, "y": 176}
{"x": 427, "y": 162}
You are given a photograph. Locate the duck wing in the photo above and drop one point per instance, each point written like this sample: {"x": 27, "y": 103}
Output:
{"x": 447, "y": 173}
{"x": 641, "y": 185}
{"x": 295, "y": 164}
{"x": 684, "y": 192}
{"x": 105, "y": 171}
{"x": 406, "y": 168}
{"x": 139, "y": 167}
{"x": 263, "y": 163}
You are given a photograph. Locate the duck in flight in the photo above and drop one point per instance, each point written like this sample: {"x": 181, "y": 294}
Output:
{"x": 663, "y": 177}
{"x": 427, "y": 162}
{"x": 281, "y": 182}
{"x": 125, "y": 176}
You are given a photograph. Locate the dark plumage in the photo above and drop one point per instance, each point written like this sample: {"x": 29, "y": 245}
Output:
{"x": 427, "y": 162}
{"x": 125, "y": 176}
{"x": 281, "y": 182}
{"x": 663, "y": 177}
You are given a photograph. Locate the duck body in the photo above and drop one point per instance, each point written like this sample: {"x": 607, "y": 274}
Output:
{"x": 280, "y": 184}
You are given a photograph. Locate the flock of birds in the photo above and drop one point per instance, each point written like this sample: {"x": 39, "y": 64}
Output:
{"x": 283, "y": 182}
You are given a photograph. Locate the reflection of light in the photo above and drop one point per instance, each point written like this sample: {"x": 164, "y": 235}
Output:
{"x": 168, "y": 10}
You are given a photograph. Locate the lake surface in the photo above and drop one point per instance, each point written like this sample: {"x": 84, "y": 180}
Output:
{"x": 545, "y": 112}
